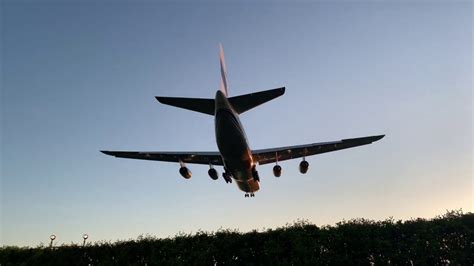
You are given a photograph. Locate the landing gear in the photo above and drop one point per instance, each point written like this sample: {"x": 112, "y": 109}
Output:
{"x": 255, "y": 174}
{"x": 227, "y": 177}
{"x": 249, "y": 194}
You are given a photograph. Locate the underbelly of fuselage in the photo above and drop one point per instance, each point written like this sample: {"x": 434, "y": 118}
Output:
{"x": 233, "y": 146}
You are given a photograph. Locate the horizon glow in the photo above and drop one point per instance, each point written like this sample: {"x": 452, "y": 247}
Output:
{"x": 81, "y": 76}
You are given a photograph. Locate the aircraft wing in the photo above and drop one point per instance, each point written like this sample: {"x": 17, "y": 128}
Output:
{"x": 213, "y": 158}
{"x": 291, "y": 152}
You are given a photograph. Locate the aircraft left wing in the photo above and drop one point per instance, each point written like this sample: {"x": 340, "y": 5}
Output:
{"x": 291, "y": 152}
{"x": 213, "y": 158}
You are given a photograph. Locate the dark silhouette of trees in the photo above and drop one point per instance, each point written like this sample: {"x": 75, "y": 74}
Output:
{"x": 447, "y": 239}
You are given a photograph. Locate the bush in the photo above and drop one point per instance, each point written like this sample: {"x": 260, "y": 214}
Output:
{"x": 446, "y": 239}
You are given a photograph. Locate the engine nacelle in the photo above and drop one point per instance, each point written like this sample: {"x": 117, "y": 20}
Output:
{"x": 304, "y": 167}
{"x": 277, "y": 170}
{"x": 185, "y": 172}
{"x": 213, "y": 174}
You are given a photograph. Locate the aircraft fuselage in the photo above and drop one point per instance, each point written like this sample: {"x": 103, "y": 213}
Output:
{"x": 233, "y": 145}
{"x": 234, "y": 153}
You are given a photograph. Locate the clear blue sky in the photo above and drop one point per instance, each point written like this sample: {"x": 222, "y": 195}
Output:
{"x": 81, "y": 76}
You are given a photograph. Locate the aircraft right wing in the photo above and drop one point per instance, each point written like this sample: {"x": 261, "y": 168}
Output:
{"x": 291, "y": 152}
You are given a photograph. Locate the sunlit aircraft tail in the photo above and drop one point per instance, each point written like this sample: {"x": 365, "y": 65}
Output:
{"x": 224, "y": 83}
{"x": 240, "y": 103}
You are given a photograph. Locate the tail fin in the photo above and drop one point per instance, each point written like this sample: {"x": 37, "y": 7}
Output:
{"x": 224, "y": 84}
{"x": 240, "y": 103}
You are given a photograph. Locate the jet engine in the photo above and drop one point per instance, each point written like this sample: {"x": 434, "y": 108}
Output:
{"x": 304, "y": 167}
{"x": 185, "y": 172}
{"x": 213, "y": 174}
{"x": 277, "y": 170}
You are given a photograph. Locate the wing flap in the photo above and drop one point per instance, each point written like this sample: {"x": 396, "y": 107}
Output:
{"x": 291, "y": 152}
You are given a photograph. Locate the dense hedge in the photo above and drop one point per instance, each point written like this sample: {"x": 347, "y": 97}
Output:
{"x": 448, "y": 239}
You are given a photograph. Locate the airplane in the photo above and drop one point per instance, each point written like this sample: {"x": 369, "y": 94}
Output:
{"x": 235, "y": 155}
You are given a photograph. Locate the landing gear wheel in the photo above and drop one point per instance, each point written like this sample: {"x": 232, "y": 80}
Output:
{"x": 252, "y": 195}
{"x": 255, "y": 174}
{"x": 227, "y": 177}
{"x": 246, "y": 195}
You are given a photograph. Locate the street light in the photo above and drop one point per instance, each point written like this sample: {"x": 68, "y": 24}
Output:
{"x": 52, "y": 237}
{"x": 85, "y": 236}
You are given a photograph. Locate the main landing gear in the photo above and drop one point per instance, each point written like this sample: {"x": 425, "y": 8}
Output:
{"x": 249, "y": 194}
{"x": 227, "y": 177}
{"x": 255, "y": 174}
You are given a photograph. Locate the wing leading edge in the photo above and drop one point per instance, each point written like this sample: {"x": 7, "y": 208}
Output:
{"x": 264, "y": 156}
{"x": 213, "y": 158}
{"x": 291, "y": 152}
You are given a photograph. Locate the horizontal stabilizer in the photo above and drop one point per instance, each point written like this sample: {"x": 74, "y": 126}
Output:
{"x": 246, "y": 102}
{"x": 240, "y": 103}
{"x": 205, "y": 106}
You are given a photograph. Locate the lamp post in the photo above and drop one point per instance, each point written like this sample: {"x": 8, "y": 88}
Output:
{"x": 85, "y": 236}
{"x": 52, "y": 237}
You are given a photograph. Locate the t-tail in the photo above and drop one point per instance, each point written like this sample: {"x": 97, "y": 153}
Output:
{"x": 240, "y": 103}
{"x": 224, "y": 83}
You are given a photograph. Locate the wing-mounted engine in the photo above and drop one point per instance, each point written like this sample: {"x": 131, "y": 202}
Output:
{"x": 304, "y": 165}
{"x": 277, "y": 170}
{"x": 213, "y": 173}
{"x": 184, "y": 171}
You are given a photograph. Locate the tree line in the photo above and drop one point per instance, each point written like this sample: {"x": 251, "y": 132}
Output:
{"x": 446, "y": 239}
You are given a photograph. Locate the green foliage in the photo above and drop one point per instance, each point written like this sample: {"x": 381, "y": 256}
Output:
{"x": 447, "y": 239}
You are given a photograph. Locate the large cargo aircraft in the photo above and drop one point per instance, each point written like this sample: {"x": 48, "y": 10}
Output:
{"x": 239, "y": 161}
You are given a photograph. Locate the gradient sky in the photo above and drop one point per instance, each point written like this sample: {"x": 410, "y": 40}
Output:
{"x": 81, "y": 76}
